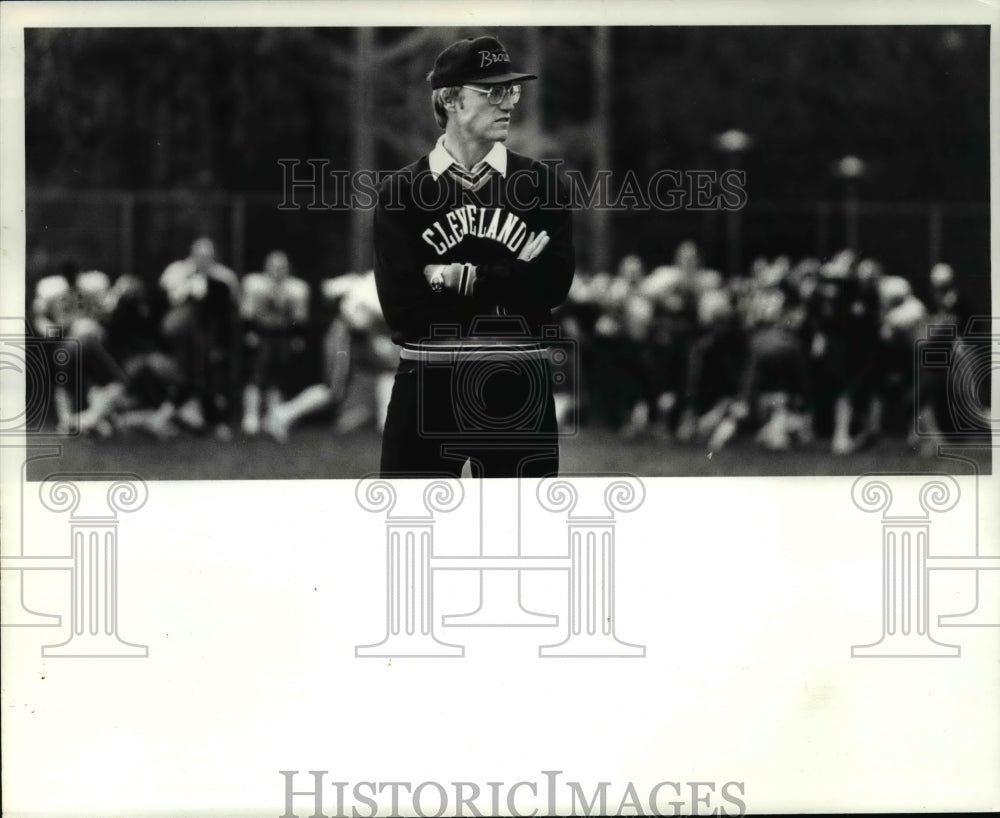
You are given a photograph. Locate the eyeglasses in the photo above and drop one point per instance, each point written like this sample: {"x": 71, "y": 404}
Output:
{"x": 496, "y": 94}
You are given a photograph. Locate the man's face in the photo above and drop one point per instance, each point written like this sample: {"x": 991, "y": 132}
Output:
{"x": 479, "y": 121}
{"x": 276, "y": 265}
{"x": 203, "y": 254}
{"x": 687, "y": 256}
{"x": 868, "y": 270}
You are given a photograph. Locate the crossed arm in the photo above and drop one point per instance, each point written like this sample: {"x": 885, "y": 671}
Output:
{"x": 415, "y": 296}
{"x": 462, "y": 277}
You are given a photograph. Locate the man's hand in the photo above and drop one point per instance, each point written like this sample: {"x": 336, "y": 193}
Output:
{"x": 442, "y": 276}
{"x": 458, "y": 277}
{"x": 197, "y": 286}
{"x": 462, "y": 277}
{"x": 533, "y": 246}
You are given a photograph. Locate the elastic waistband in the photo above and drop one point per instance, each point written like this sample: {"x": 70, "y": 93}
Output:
{"x": 472, "y": 349}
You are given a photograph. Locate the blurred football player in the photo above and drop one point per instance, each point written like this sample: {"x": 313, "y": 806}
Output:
{"x": 131, "y": 385}
{"x": 52, "y": 311}
{"x": 78, "y": 309}
{"x": 774, "y": 382}
{"x": 944, "y": 303}
{"x": 615, "y": 372}
{"x": 199, "y": 329}
{"x": 635, "y": 364}
{"x": 904, "y": 321}
{"x": 274, "y": 307}
{"x": 715, "y": 363}
{"x": 335, "y": 365}
{"x": 674, "y": 291}
{"x": 356, "y": 341}
{"x": 844, "y": 349}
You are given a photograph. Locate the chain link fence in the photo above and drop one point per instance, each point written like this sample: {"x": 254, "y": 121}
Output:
{"x": 142, "y": 232}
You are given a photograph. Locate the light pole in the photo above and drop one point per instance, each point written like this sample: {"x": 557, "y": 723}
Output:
{"x": 733, "y": 143}
{"x": 851, "y": 169}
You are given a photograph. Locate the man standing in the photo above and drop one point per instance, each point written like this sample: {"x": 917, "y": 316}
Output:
{"x": 473, "y": 249}
{"x": 274, "y": 306}
{"x": 199, "y": 331}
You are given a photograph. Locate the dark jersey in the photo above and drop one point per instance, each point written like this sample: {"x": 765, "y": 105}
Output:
{"x": 421, "y": 220}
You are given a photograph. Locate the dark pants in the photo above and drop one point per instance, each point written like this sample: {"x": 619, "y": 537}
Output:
{"x": 154, "y": 378}
{"x": 90, "y": 358}
{"x": 271, "y": 362}
{"x": 777, "y": 363}
{"x": 498, "y": 415}
{"x": 190, "y": 336}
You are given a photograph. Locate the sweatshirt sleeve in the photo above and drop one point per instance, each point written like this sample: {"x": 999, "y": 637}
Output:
{"x": 411, "y": 308}
{"x": 544, "y": 282}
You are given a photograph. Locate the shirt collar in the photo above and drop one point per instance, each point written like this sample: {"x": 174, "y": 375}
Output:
{"x": 440, "y": 160}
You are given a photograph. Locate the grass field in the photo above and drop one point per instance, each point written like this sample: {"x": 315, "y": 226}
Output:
{"x": 314, "y": 452}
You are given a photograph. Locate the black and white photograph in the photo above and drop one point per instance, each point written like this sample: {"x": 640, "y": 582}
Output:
{"x": 765, "y": 250}
{"x": 498, "y": 409}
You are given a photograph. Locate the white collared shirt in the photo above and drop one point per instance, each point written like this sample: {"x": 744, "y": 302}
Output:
{"x": 440, "y": 160}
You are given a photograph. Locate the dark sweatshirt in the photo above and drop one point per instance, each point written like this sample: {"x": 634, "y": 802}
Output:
{"x": 421, "y": 220}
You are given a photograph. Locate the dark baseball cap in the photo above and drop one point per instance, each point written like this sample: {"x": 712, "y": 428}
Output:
{"x": 483, "y": 59}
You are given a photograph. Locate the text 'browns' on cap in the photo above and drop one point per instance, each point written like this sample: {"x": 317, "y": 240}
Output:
{"x": 483, "y": 60}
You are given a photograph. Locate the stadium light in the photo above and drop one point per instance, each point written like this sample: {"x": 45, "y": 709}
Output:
{"x": 851, "y": 169}
{"x": 733, "y": 143}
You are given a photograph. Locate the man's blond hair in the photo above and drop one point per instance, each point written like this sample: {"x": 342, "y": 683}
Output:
{"x": 439, "y": 97}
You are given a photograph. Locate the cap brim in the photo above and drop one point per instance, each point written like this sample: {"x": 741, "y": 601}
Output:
{"x": 497, "y": 79}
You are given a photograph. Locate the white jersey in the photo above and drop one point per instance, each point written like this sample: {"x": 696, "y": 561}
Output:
{"x": 93, "y": 295}
{"x": 281, "y": 302}
{"x": 54, "y": 303}
{"x": 361, "y": 308}
{"x": 182, "y": 281}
